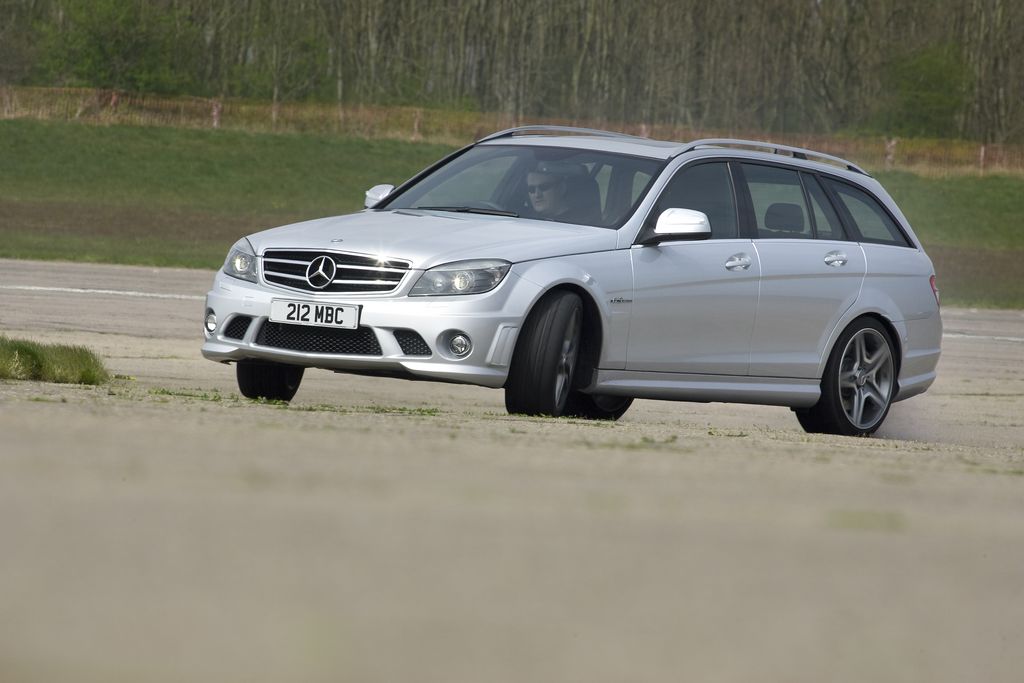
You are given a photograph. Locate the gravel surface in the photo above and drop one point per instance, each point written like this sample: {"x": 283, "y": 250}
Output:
{"x": 163, "y": 529}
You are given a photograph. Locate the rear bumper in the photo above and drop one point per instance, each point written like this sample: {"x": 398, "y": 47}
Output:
{"x": 922, "y": 341}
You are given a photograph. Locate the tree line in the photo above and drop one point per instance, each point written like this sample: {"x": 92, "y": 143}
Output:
{"x": 935, "y": 68}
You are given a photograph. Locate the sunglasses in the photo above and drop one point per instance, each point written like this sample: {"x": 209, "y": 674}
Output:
{"x": 542, "y": 187}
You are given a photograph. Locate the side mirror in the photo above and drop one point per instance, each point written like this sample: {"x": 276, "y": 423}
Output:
{"x": 680, "y": 224}
{"x": 376, "y": 194}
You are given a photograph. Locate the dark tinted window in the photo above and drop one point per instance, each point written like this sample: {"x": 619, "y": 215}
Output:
{"x": 871, "y": 220}
{"x": 778, "y": 200}
{"x": 706, "y": 188}
{"x": 826, "y": 220}
{"x": 568, "y": 185}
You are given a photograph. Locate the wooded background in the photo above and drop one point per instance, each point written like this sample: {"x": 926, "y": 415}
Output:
{"x": 930, "y": 68}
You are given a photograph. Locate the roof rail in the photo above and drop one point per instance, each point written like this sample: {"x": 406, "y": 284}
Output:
{"x": 542, "y": 129}
{"x": 796, "y": 152}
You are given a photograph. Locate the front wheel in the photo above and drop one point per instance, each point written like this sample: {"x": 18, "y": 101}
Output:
{"x": 597, "y": 406}
{"x": 544, "y": 361}
{"x": 268, "y": 380}
{"x": 858, "y": 385}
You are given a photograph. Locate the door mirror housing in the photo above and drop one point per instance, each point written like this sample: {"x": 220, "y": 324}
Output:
{"x": 376, "y": 194}
{"x": 679, "y": 225}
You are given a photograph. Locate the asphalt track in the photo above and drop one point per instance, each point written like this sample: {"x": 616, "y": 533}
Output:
{"x": 161, "y": 528}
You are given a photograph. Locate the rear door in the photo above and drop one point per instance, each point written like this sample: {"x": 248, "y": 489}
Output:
{"x": 810, "y": 272}
{"x": 895, "y": 266}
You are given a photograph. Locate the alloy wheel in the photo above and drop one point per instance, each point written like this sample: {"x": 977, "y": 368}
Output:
{"x": 567, "y": 359}
{"x": 866, "y": 375}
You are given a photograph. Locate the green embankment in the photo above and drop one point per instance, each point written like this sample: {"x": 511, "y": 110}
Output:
{"x": 164, "y": 196}
{"x": 176, "y": 197}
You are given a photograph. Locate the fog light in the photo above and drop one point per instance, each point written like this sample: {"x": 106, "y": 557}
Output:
{"x": 460, "y": 345}
{"x": 211, "y": 321}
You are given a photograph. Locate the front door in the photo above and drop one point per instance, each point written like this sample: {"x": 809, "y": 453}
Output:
{"x": 693, "y": 307}
{"x": 694, "y": 302}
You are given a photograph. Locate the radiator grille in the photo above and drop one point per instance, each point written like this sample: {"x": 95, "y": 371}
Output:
{"x": 358, "y": 342}
{"x": 354, "y": 273}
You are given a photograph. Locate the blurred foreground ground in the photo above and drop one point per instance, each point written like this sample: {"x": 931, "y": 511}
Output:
{"x": 161, "y": 529}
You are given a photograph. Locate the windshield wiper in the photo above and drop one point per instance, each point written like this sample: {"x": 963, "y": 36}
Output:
{"x": 470, "y": 209}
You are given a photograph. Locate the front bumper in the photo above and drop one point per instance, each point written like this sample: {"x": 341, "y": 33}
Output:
{"x": 491, "y": 320}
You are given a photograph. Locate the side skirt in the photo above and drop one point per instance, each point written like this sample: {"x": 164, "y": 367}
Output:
{"x": 668, "y": 386}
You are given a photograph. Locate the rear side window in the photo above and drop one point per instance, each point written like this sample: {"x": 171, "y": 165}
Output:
{"x": 778, "y": 202}
{"x": 869, "y": 218}
{"x": 826, "y": 220}
{"x": 706, "y": 188}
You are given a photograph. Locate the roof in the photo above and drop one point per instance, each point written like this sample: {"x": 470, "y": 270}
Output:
{"x": 608, "y": 141}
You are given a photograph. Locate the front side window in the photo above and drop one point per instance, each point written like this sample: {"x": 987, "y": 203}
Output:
{"x": 778, "y": 202}
{"x": 871, "y": 220}
{"x": 706, "y": 188}
{"x": 477, "y": 180}
{"x": 584, "y": 187}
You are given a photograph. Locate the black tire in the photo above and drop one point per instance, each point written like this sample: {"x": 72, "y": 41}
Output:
{"x": 858, "y": 385}
{"x": 544, "y": 362}
{"x": 810, "y": 420}
{"x": 268, "y": 380}
{"x": 597, "y": 407}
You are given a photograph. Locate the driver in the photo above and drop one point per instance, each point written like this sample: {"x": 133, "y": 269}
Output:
{"x": 547, "y": 189}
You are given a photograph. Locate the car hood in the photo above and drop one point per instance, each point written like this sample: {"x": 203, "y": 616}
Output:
{"x": 430, "y": 238}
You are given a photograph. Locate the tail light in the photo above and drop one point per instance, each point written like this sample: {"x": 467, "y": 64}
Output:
{"x": 935, "y": 290}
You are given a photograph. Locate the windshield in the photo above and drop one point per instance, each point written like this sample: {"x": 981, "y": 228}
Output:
{"x": 583, "y": 187}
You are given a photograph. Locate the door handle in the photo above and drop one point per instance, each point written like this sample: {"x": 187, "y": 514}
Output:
{"x": 835, "y": 259}
{"x": 737, "y": 262}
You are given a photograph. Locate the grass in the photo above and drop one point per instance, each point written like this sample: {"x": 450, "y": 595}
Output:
{"x": 25, "y": 360}
{"x": 969, "y": 225}
{"x": 214, "y": 396}
{"x": 961, "y": 211}
{"x": 175, "y": 197}
{"x": 180, "y": 197}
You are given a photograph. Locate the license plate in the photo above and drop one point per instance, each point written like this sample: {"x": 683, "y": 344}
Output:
{"x": 319, "y": 314}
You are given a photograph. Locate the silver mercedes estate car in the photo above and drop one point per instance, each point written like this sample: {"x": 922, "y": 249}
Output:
{"x": 580, "y": 269}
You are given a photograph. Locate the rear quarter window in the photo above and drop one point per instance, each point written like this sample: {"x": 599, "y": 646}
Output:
{"x": 868, "y": 215}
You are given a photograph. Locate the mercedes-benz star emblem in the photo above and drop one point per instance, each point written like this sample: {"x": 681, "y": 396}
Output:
{"x": 320, "y": 272}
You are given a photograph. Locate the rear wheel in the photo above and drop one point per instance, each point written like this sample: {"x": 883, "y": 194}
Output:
{"x": 858, "y": 385}
{"x": 544, "y": 362}
{"x": 267, "y": 379}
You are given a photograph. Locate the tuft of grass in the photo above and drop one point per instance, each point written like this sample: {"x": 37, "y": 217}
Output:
{"x": 58, "y": 363}
{"x": 739, "y": 434}
{"x": 199, "y": 395}
{"x": 400, "y": 410}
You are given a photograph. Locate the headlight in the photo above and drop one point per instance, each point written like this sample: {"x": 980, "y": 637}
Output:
{"x": 461, "y": 277}
{"x": 241, "y": 261}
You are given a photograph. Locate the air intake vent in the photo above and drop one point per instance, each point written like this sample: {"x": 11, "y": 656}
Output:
{"x": 238, "y": 326}
{"x": 412, "y": 343}
{"x": 358, "y": 342}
